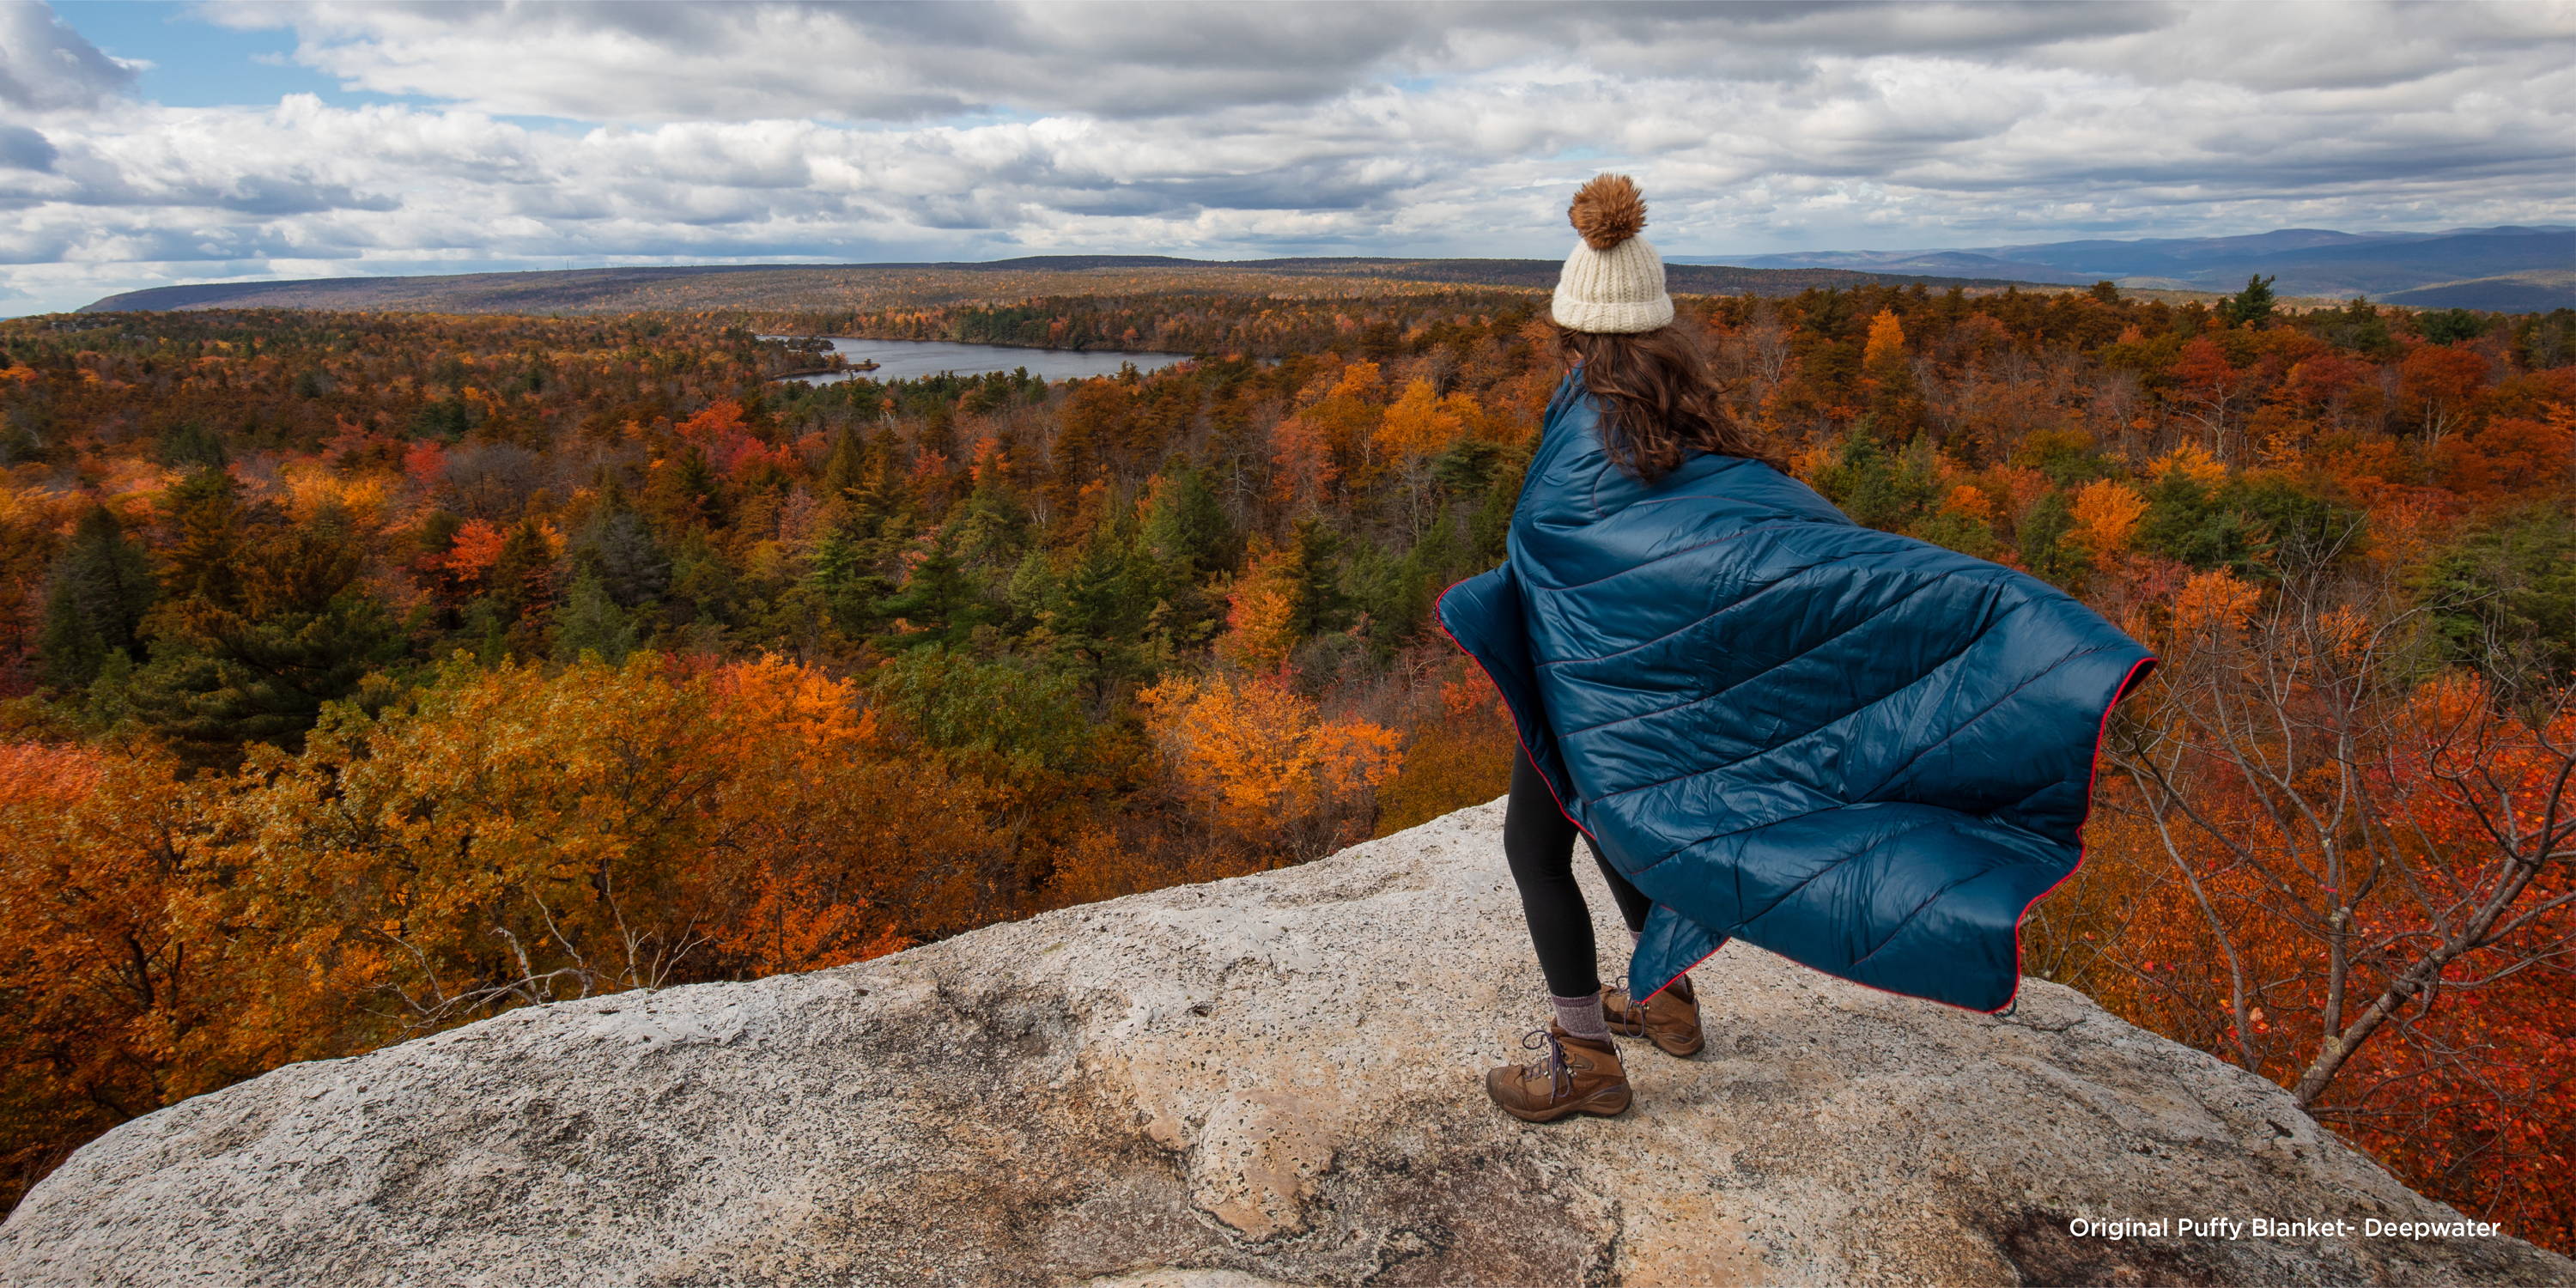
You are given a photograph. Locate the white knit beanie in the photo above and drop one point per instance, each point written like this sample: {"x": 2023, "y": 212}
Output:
{"x": 1614, "y": 280}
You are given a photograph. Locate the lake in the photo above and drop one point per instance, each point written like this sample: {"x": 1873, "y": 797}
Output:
{"x": 912, "y": 359}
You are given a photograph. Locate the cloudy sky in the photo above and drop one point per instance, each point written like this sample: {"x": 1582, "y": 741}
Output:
{"x": 150, "y": 143}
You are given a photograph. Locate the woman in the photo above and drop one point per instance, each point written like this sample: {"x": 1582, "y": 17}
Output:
{"x": 1860, "y": 751}
{"x": 1613, "y": 324}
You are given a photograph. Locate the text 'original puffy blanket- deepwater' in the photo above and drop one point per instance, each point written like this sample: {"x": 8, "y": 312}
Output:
{"x": 1861, "y": 751}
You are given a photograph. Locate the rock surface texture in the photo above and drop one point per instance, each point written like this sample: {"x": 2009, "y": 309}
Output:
{"x": 1269, "y": 1080}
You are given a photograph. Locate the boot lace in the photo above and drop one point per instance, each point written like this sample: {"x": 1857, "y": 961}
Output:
{"x": 1561, "y": 1079}
{"x": 1630, "y": 1012}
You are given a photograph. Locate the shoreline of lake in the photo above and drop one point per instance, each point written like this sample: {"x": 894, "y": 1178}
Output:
{"x": 980, "y": 344}
{"x": 922, "y": 359}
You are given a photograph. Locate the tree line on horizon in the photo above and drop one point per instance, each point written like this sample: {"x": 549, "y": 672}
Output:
{"x": 366, "y": 674}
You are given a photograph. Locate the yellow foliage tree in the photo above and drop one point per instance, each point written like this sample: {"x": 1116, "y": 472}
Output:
{"x": 2195, "y": 463}
{"x": 1885, "y": 349}
{"x": 1418, "y": 424}
{"x": 1261, "y": 612}
{"x": 112, "y": 1011}
{"x": 505, "y": 836}
{"x": 513, "y": 836}
{"x": 2216, "y": 600}
{"x": 1365, "y": 381}
{"x": 1263, "y": 765}
{"x": 1969, "y": 501}
{"x": 2106, "y": 513}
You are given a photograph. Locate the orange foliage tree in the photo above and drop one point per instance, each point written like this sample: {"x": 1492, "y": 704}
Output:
{"x": 2436, "y": 383}
{"x": 114, "y": 1010}
{"x": 516, "y": 836}
{"x": 1418, "y": 426}
{"x": 1263, "y": 766}
{"x": 1262, "y": 608}
{"x": 2106, "y": 511}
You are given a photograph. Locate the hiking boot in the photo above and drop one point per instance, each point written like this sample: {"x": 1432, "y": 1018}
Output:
{"x": 1669, "y": 1019}
{"x": 1576, "y": 1076}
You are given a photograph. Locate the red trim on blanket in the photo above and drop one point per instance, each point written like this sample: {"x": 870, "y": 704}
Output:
{"x": 2093, "y": 774}
{"x": 1722, "y": 941}
{"x": 2091, "y": 777}
{"x": 1438, "y": 621}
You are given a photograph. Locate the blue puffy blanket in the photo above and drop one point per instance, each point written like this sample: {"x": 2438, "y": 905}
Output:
{"x": 1858, "y": 750}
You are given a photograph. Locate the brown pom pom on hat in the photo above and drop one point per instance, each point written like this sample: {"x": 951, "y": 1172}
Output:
{"x": 1614, "y": 280}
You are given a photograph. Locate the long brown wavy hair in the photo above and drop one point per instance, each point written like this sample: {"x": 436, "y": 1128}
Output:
{"x": 1663, "y": 396}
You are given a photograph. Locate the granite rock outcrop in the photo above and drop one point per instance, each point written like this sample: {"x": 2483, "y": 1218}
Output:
{"x": 1274, "y": 1079}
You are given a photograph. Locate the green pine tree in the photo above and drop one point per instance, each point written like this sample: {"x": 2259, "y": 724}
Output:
{"x": 940, "y": 603}
{"x": 2251, "y": 307}
{"x": 1322, "y": 604}
{"x": 990, "y": 526}
{"x": 1186, "y": 530}
{"x": 94, "y": 602}
{"x": 253, "y": 640}
{"x": 592, "y": 622}
{"x": 1107, "y": 598}
{"x": 521, "y": 588}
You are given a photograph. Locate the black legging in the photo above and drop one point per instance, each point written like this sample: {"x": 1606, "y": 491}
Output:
{"x": 1538, "y": 842}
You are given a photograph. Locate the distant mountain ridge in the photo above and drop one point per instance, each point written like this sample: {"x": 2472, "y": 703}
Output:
{"x": 2510, "y": 268}
{"x": 2513, "y": 268}
{"x": 593, "y": 290}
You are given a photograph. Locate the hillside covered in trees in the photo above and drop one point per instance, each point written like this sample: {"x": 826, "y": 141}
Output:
{"x": 368, "y": 673}
{"x": 772, "y": 295}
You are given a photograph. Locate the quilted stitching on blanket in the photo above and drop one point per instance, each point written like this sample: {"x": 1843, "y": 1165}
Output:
{"x": 1858, "y": 750}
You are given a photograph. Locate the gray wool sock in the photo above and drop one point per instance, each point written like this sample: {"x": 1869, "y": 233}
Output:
{"x": 1581, "y": 1016}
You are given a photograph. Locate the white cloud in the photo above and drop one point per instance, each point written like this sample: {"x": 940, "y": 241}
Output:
{"x": 666, "y": 62}
{"x": 46, "y": 65}
{"x": 953, "y": 131}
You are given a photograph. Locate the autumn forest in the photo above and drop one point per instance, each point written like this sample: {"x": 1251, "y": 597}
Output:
{"x": 365, "y": 674}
